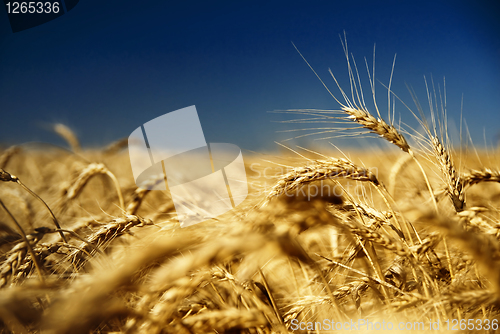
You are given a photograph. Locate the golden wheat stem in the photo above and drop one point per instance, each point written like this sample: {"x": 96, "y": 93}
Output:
{"x": 407, "y": 230}
{"x": 477, "y": 176}
{"x": 54, "y": 219}
{"x": 68, "y": 135}
{"x": 448, "y": 258}
{"x": 7, "y": 177}
{"x": 26, "y": 241}
{"x": 390, "y": 133}
{"x": 431, "y": 192}
{"x": 118, "y": 189}
{"x": 368, "y": 250}
{"x": 340, "y": 313}
{"x": 429, "y": 187}
{"x": 377, "y": 126}
{"x": 74, "y": 234}
{"x": 318, "y": 171}
{"x": 271, "y": 297}
{"x": 116, "y": 146}
{"x": 396, "y": 168}
{"x": 454, "y": 184}
{"x": 91, "y": 170}
{"x": 379, "y": 281}
{"x": 7, "y": 155}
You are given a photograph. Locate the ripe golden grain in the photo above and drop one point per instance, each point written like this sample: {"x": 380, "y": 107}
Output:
{"x": 255, "y": 269}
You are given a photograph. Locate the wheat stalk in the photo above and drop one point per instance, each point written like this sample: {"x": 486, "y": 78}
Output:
{"x": 7, "y": 177}
{"x": 7, "y": 155}
{"x": 225, "y": 320}
{"x": 477, "y": 176}
{"x": 11, "y": 263}
{"x": 370, "y": 234}
{"x": 86, "y": 174}
{"x": 320, "y": 170}
{"x": 255, "y": 271}
{"x": 388, "y": 132}
{"x": 136, "y": 201}
{"x": 377, "y": 126}
{"x": 292, "y": 184}
{"x": 484, "y": 248}
{"x": 357, "y": 112}
{"x": 454, "y": 182}
{"x": 381, "y": 217}
{"x": 68, "y": 135}
{"x": 396, "y": 168}
{"x": 107, "y": 233}
{"x": 140, "y": 193}
{"x": 16, "y": 256}
{"x": 116, "y": 146}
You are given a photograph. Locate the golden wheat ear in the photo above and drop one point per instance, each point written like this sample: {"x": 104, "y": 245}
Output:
{"x": 357, "y": 112}
{"x": 478, "y": 176}
{"x": 320, "y": 170}
{"x": 377, "y": 126}
{"x": 69, "y": 135}
{"x": 454, "y": 183}
{"x": 27, "y": 244}
{"x": 86, "y": 174}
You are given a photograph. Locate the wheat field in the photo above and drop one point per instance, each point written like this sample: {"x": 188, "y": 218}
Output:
{"x": 363, "y": 241}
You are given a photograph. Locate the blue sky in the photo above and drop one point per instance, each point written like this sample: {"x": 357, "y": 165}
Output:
{"x": 106, "y": 67}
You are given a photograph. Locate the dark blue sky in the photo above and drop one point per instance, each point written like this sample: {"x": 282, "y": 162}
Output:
{"x": 106, "y": 67}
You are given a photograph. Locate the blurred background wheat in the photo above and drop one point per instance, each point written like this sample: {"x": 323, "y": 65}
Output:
{"x": 409, "y": 234}
{"x": 119, "y": 263}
